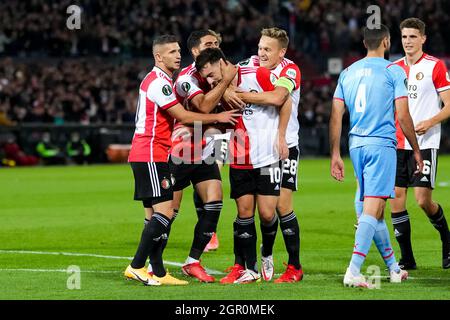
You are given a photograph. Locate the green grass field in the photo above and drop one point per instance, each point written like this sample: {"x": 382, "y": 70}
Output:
{"x": 52, "y": 218}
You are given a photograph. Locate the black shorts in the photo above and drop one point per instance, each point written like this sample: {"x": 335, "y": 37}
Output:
{"x": 406, "y": 165}
{"x": 290, "y": 166}
{"x": 263, "y": 181}
{"x": 184, "y": 174}
{"x": 153, "y": 182}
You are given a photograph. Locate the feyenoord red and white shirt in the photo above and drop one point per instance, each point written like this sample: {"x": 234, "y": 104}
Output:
{"x": 426, "y": 79}
{"x": 154, "y": 125}
{"x": 253, "y": 143}
{"x": 189, "y": 84}
{"x": 288, "y": 69}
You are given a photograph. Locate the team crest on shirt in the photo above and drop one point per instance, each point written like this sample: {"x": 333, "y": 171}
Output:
{"x": 165, "y": 183}
{"x": 166, "y": 90}
{"x": 291, "y": 73}
{"x": 185, "y": 86}
{"x": 419, "y": 76}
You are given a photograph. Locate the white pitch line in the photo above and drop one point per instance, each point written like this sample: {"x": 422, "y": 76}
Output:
{"x": 73, "y": 254}
{"x": 308, "y": 277}
{"x": 56, "y": 270}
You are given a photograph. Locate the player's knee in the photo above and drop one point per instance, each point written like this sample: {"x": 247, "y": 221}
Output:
{"x": 245, "y": 210}
{"x": 266, "y": 216}
{"x": 284, "y": 208}
{"x": 424, "y": 202}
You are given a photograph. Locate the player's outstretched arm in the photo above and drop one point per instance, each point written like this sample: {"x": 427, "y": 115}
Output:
{"x": 337, "y": 165}
{"x": 423, "y": 126}
{"x": 205, "y": 103}
{"x": 406, "y": 123}
{"x": 187, "y": 117}
{"x": 275, "y": 98}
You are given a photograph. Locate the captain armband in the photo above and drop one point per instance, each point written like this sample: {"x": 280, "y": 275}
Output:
{"x": 285, "y": 83}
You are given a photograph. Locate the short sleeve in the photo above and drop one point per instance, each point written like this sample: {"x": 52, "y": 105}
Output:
{"x": 292, "y": 72}
{"x": 160, "y": 91}
{"x": 187, "y": 87}
{"x": 265, "y": 78}
{"x": 339, "y": 92}
{"x": 399, "y": 80}
{"x": 441, "y": 77}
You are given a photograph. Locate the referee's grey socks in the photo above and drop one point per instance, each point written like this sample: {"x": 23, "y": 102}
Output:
{"x": 245, "y": 242}
{"x": 205, "y": 227}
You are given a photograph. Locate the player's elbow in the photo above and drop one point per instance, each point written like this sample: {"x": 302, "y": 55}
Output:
{"x": 278, "y": 100}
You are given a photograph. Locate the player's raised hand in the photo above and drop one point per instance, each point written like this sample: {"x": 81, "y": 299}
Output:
{"x": 231, "y": 97}
{"x": 228, "y": 70}
{"x": 228, "y": 116}
{"x": 419, "y": 162}
{"x": 337, "y": 168}
{"x": 422, "y": 127}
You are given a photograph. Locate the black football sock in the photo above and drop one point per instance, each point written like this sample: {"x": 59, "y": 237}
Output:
{"x": 246, "y": 239}
{"x": 159, "y": 225}
{"x": 291, "y": 234}
{"x": 164, "y": 244}
{"x": 268, "y": 234}
{"x": 402, "y": 232}
{"x": 143, "y": 248}
{"x": 198, "y": 204}
{"x": 238, "y": 254}
{"x": 440, "y": 224}
{"x": 205, "y": 227}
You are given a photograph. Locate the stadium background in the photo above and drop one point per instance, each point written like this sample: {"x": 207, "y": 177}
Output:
{"x": 57, "y": 80}
{"x": 61, "y": 80}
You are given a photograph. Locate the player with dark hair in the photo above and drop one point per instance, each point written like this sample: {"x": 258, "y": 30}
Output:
{"x": 156, "y": 110}
{"x": 371, "y": 88}
{"x": 257, "y": 144}
{"x": 192, "y": 155}
{"x": 428, "y": 88}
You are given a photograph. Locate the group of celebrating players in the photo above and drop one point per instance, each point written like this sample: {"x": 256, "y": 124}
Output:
{"x": 247, "y": 115}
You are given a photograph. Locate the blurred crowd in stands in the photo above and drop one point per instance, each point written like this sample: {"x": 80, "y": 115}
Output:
{"x": 51, "y": 74}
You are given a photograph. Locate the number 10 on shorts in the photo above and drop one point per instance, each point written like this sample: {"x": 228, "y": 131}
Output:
{"x": 275, "y": 175}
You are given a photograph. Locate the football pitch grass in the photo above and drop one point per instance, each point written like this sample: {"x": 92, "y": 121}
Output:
{"x": 56, "y": 217}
